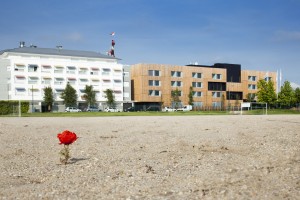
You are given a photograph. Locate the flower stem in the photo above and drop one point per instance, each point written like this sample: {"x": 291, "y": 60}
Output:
{"x": 65, "y": 153}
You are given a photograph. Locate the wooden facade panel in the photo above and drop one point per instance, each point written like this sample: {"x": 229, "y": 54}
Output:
{"x": 140, "y": 77}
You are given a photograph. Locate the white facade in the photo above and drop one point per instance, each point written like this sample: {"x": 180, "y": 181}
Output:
{"x": 30, "y": 72}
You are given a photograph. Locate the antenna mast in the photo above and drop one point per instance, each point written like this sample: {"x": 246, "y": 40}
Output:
{"x": 112, "y": 48}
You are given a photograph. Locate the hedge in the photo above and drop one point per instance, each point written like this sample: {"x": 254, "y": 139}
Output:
{"x": 7, "y": 107}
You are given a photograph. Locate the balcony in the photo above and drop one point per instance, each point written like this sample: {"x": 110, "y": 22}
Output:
{"x": 46, "y": 82}
{"x": 58, "y": 82}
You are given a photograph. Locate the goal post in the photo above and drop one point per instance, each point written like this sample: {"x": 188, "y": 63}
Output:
{"x": 254, "y": 108}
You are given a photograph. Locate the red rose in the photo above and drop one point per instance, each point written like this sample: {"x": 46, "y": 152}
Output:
{"x": 67, "y": 137}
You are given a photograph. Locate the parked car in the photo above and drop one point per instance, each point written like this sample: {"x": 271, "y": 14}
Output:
{"x": 153, "y": 108}
{"x": 110, "y": 109}
{"x": 72, "y": 109}
{"x": 93, "y": 109}
{"x": 130, "y": 109}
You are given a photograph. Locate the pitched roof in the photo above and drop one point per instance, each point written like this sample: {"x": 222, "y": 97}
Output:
{"x": 59, "y": 52}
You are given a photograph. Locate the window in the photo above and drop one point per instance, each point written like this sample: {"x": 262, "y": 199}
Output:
{"x": 32, "y": 68}
{"x": 58, "y": 81}
{"x": 251, "y": 86}
{"x": 154, "y": 93}
{"x": 46, "y": 80}
{"x": 216, "y": 94}
{"x": 196, "y": 75}
{"x": 58, "y": 91}
{"x": 20, "y": 91}
{"x": 117, "y": 82}
{"x": 154, "y": 83}
{"x": 234, "y": 95}
{"x": 176, "y": 73}
{"x": 216, "y": 104}
{"x": 179, "y": 93}
{"x": 251, "y": 96}
{"x": 105, "y": 71}
{"x": 58, "y": 70}
{"x": 20, "y": 68}
{"x": 126, "y": 84}
{"x": 106, "y": 82}
{"x": 268, "y": 78}
{"x": 216, "y": 86}
{"x": 46, "y": 68}
{"x": 72, "y": 81}
{"x": 95, "y": 82}
{"x": 251, "y": 78}
{"x": 126, "y": 94}
{"x": 83, "y": 71}
{"x": 117, "y": 72}
{"x": 217, "y": 76}
{"x": 33, "y": 80}
{"x": 197, "y": 94}
{"x": 126, "y": 74}
{"x": 197, "y": 84}
{"x": 71, "y": 70}
{"x": 34, "y": 92}
{"x": 153, "y": 72}
{"x": 83, "y": 81}
{"x": 20, "y": 79}
{"x": 81, "y": 91}
{"x": 198, "y": 104}
{"x": 176, "y": 83}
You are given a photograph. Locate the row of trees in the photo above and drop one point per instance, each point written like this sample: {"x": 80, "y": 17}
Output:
{"x": 286, "y": 98}
{"x": 175, "y": 97}
{"x": 69, "y": 96}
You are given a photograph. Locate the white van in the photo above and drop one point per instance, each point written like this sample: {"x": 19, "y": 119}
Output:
{"x": 168, "y": 109}
{"x": 185, "y": 108}
{"x": 72, "y": 109}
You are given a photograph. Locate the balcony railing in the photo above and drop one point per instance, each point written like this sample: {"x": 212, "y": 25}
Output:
{"x": 58, "y": 82}
{"x": 32, "y": 81}
{"x": 46, "y": 82}
{"x": 58, "y": 71}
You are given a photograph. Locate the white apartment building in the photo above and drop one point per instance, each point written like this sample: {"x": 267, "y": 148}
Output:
{"x": 26, "y": 71}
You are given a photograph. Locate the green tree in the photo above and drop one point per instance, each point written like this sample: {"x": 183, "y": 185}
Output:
{"x": 250, "y": 97}
{"x": 175, "y": 97}
{"x": 286, "y": 96}
{"x": 266, "y": 92}
{"x": 89, "y": 95}
{"x": 223, "y": 102}
{"x": 110, "y": 98}
{"x": 297, "y": 96}
{"x": 69, "y": 95}
{"x": 48, "y": 97}
{"x": 190, "y": 96}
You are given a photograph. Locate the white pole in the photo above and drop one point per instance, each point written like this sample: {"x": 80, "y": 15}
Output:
{"x": 19, "y": 108}
{"x": 241, "y": 109}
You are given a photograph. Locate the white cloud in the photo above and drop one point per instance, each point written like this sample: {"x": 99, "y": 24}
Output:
{"x": 294, "y": 85}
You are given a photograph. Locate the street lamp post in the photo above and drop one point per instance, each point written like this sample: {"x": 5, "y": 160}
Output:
{"x": 32, "y": 109}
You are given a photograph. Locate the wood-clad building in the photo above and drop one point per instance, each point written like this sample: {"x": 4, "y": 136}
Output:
{"x": 212, "y": 86}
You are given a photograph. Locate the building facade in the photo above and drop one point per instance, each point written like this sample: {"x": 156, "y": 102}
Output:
{"x": 26, "y": 71}
{"x": 217, "y": 86}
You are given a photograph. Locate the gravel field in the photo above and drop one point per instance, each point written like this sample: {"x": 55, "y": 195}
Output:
{"x": 166, "y": 157}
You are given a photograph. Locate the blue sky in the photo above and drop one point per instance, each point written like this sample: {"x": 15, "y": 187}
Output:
{"x": 258, "y": 34}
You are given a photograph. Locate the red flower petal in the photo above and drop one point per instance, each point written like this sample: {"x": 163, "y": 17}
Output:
{"x": 67, "y": 137}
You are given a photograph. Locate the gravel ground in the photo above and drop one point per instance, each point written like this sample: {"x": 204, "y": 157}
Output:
{"x": 179, "y": 157}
